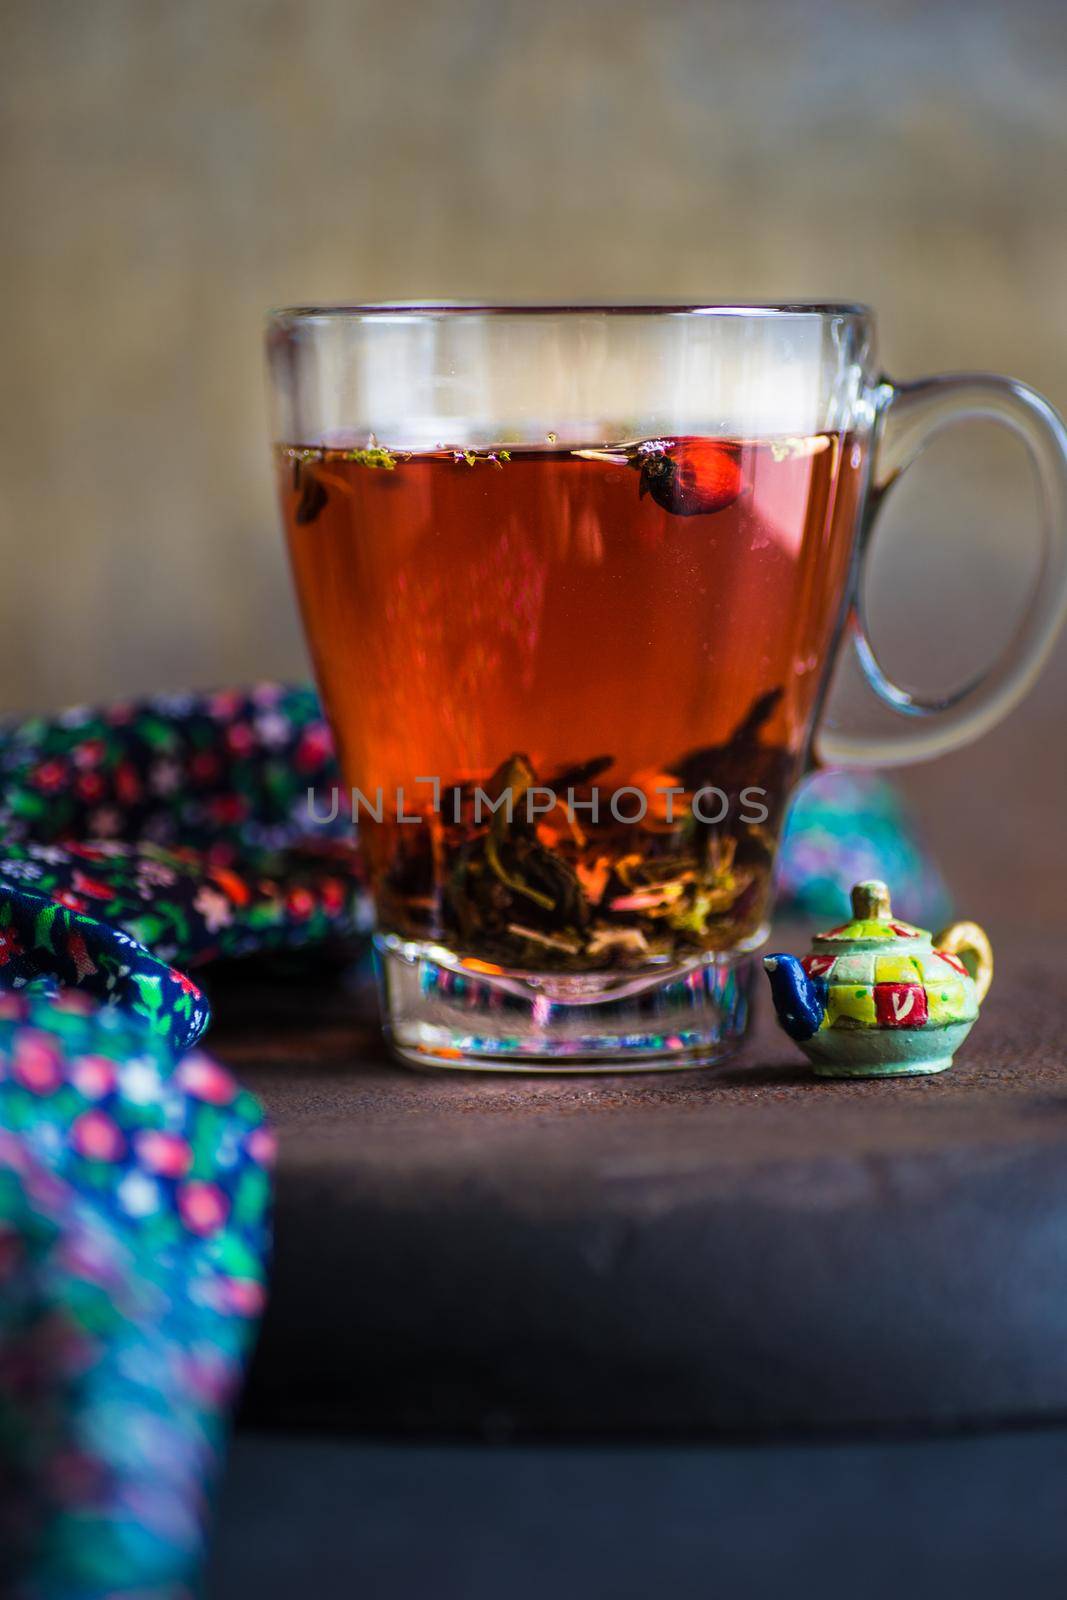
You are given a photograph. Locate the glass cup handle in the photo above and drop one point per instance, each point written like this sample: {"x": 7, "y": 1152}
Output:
{"x": 907, "y": 417}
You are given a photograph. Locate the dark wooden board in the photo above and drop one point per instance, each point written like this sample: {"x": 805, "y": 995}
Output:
{"x": 740, "y": 1249}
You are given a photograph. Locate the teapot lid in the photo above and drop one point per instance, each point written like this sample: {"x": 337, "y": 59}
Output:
{"x": 872, "y": 919}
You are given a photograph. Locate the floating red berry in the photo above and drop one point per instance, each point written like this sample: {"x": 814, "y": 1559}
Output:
{"x": 692, "y": 477}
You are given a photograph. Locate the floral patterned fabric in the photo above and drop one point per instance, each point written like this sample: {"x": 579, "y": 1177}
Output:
{"x": 133, "y": 1235}
{"x": 171, "y": 831}
{"x": 219, "y": 772}
{"x": 136, "y": 843}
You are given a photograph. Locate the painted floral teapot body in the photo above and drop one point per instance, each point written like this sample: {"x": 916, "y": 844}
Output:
{"x": 879, "y": 998}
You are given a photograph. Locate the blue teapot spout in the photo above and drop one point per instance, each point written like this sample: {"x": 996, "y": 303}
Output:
{"x": 800, "y": 1001}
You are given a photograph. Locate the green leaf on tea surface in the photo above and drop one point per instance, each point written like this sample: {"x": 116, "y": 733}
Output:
{"x": 374, "y": 456}
{"x": 491, "y": 458}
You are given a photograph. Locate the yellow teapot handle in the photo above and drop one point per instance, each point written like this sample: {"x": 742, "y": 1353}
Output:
{"x": 971, "y": 943}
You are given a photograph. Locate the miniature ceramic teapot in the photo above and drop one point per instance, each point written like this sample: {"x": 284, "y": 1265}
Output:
{"x": 878, "y": 998}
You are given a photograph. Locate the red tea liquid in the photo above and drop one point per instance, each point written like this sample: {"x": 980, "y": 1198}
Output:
{"x": 662, "y": 618}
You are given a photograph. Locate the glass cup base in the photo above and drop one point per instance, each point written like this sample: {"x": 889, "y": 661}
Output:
{"x": 439, "y": 1012}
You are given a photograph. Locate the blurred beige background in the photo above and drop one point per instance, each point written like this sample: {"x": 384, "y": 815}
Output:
{"x": 168, "y": 171}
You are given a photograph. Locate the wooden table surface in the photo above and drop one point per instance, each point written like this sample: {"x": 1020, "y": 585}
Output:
{"x": 742, "y": 1249}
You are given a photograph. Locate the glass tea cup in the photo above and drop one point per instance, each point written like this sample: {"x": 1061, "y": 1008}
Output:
{"x": 574, "y": 582}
